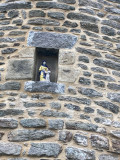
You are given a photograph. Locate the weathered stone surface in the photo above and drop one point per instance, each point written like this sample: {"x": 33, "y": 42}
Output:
{"x": 89, "y": 26}
{"x": 108, "y": 31}
{"x": 1, "y": 135}
{"x": 21, "y": 69}
{"x": 18, "y": 22}
{"x": 33, "y": 123}
{"x": 87, "y": 74}
{"x": 45, "y": 149}
{"x": 87, "y": 10}
{"x": 16, "y": 33}
{"x": 8, "y": 123}
{"x": 83, "y": 59}
{"x": 90, "y": 3}
{"x": 2, "y": 105}
{"x": 107, "y": 64}
{"x": 82, "y": 17}
{"x": 98, "y": 69}
{"x": 115, "y": 97}
{"x": 114, "y": 58}
{"x": 99, "y": 142}
{"x": 115, "y": 133}
{"x": 108, "y": 105}
{"x": 88, "y": 52}
{"x": 34, "y": 104}
{"x": 59, "y": 29}
{"x": 65, "y": 136}
{"x": 1, "y": 34}
{"x": 88, "y": 110}
{"x": 84, "y": 81}
{"x": 116, "y": 1}
{"x": 41, "y": 21}
{"x": 55, "y": 105}
{"x": 104, "y": 121}
{"x": 91, "y": 34}
{"x": 32, "y": 86}
{"x": 13, "y": 13}
{"x": 106, "y": 78}
{"x": 10, "y": 149}
{"x": 111, "y": 23}
{"x": 90, "y": 92}
{"x": 8, "y": 50}
{"x": 41, "y": 96}
{"x": 15, "y": 5}
{"x": 36, "y": 13}
{"x": 54, "y": 5}
{"x": 104, "y": 114}
{"x": 10, "y": 86}
{"x": 75, "y": 30}
{"x": 70, "y": 24}
{"x": 11, "y": 112}
{"x": 72, "y": 107}
{"x": 114, "y": 86}
{"x": 116, "y": 124}
{"x": 81, "y": 139}
{"x": 66, "y": 57}
{"x": 55, "y": 124}
{"x": 81, "y": 126}
{"x": 68, "y": 1}
{"x": 7, "y": 28}
{"x": 46, "y": 40}
{"x": 51, "y": 113}
{"x": 116, "y": 145}
{"x": 27, "y": 52}
{"x": 27, "y": 135}
{"x": 56, "y": 15}
{"x": 71, "y": 90}
{"x": 79, "y": 154}
{"x": 99, "y": 83}
{"x": 75, "y": 99}
{"x": 108, "y": 157}
{"x": 84, "y": 116}
{"x": 114, "y": 18}
{"x": 67, "y": 74}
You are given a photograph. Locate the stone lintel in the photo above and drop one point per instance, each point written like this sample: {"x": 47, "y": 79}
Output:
{"x": 49, "y": 87}
{"x": 51, "y": 40}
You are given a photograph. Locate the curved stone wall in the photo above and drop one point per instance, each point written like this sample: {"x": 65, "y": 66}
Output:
{"x": 79, "y": 117}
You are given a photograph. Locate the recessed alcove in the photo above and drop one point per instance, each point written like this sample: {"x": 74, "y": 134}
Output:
{"x": 51, "y": 57}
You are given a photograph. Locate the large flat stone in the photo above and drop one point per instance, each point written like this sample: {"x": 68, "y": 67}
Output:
{"x": 45, "y": 149}
{"x": 32, "y": 86}
{"x": 10, "y": 149}
{"x": 51, "y": 40}
{"x": 21, "y": 69}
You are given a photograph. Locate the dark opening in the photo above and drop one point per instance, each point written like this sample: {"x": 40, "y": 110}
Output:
{"x": 51, "y": 58}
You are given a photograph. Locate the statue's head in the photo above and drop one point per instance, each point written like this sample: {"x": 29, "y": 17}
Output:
{"x": 44, "y": 63}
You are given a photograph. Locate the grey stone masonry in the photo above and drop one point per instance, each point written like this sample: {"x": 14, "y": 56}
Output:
{"x": 8, "y": 123}
{"x": 10, "y": 86}
{"x": 21, "y": 69}
{"x": 79, "y": 154}
{"x": 10, "y": 149}
{"x": 33, "y": 123}
{"x": 45, "y": 149}
{"x": 47, "y": 39}
{"x": 49, "y": 87}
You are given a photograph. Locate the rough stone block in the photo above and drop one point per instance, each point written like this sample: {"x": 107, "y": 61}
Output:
{"x": 28, "y": 135}
{"x": 33, "y": 123}
{"x": 11, "y": 112}
{"x": 89, "y": 26}
{"x": 99, "y": 142}
{"x": 32, "y": 104}
{"x": 56, "y": 124}
{"x": 79, "y": 154}
{"x": 56, "y": 15}
{"x": 116, "y": 145}
{"x": 108, "y": 157}
{"x": 115, "y": 133}
{"x": 8, "y": 50}
{"x": 72, "y": 107}
{"x": 27, "y": 52}
{"x": 36, "y": 13}
{"x": 81, "y": 139}
{"x": 21, "y": 69}
{"x": 55, "y": 105}
{"x": 66, "y": 57}
{"x": 10, "y": 149}
{"x": 15, "y": 5}
{"x": 8, "y": 123}
{"x": 108, "y": 105}
{"x": 90, "y": 92}
{"x": 114, "y": 86}
{"x": 108, "y": 31}
{"x": 50, "y": 87}
{"x": 104, "y": 121}
{"x": 115, "y": 97}
{"x": 46, "y": 40}
{"x": 45, "y": 149}
{"x": 10, "y": 86}
{"x": 65, "y": 136}
{"x": 81, "y": 126}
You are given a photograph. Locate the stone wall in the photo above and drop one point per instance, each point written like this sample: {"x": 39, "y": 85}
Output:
{"x": 77, "y": 118}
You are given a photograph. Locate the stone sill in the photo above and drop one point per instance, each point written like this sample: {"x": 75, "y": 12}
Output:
{"x": 48, "y": 87}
